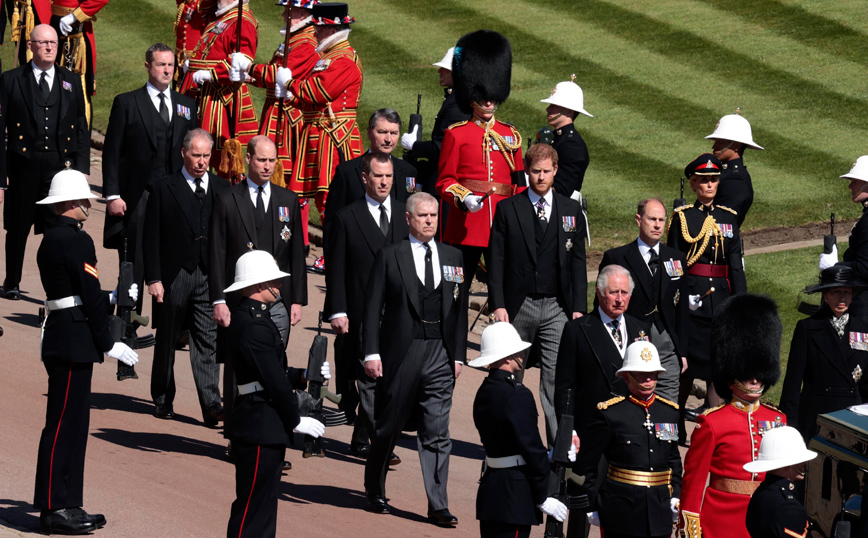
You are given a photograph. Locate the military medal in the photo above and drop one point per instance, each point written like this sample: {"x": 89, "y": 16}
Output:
{"x": 569, "y": 245}
{"x": 249, "y": 246}
{"x": 188, "y": 13}
{"x": 644, "y": 338}
{"x": 453, "y": 274}
{"x": 763, "y": 426}
{"x": 455, "y": 292}
{"x": 411, "y": 185}
{"x": 857, "y": 373}
{"x": 67, "y": 86}
{"x": 321, "y": 65}
{"x": 285, "y": 234}
{"x": 666, "y": 432}
{"x": 677, "y": 297}
{"x": 219, "y": 27}
{"x": 283, "y": 214}
{"x": 182, "y": 111}
{"x": 726, "y": 230}
{"x": 569, "y": 224}
{"x": 673, "y": 268}
{"x": 859, "y": 341}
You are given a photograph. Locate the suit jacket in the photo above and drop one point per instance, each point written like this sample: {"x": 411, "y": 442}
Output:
{"x": 587, "y": 362}
{"x": 130, "y": 152}
{"x": 821, "y": 371}
{"x": 18, "y": 111}
{"x": 573, "y": 160}
{"x": 172, "y": 226}
{"x": 355, "y": 241}
{"x": 672, "y": 290}
{"x": 513, "y": 250}
{"x": 392, "y": 308}
{"x": 232, "y": 228}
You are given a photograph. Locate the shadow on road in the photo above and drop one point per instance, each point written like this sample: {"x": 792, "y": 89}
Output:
{"x": 460, "y": 449}
{"x": 335, "y": 496}
{"x": 131, "y": 404}
{"x": 19, "y": 513}
{"x": 29, "y": 320}
{"x": 161, "y": 442}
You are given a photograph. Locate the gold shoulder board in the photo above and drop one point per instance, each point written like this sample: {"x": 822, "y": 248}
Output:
{"x": 607, "y": 403}
{"x": 713, "y": 409}
{"x": 733, "y": 211}
{"x": 459, "y": 124}
{"x": 667, "y": 402}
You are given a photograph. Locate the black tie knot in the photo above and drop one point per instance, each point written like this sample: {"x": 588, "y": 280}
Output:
{"x": 200, "y": 191}
{"x": 653, "y": 261}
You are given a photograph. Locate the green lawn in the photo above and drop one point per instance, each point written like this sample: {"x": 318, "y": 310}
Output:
{"x": 656, "y": 76}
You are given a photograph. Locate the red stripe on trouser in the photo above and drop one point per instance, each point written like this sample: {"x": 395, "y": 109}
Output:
{"x": 516, "y": 532}
{"x": 253, "y": 485}
{"x": 56, "y": 434}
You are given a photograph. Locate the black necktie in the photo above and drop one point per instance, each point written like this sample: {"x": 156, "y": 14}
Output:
{"x": 384, "y": 220}
{"x": 259, "y": 213}
{"x": 616, "y": 334}
{"x": 653, "y": 261}
{"x": 43, "y": 85}
{"x": 200, "y": 192}
{"x": 429, "y": 269}
{"x": 164, "y": 110}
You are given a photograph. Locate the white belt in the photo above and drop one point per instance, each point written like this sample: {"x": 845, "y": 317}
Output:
{"x": 66, "y": 302}
{"x": 505, "y": 462}
{"x": 250, "y": 388}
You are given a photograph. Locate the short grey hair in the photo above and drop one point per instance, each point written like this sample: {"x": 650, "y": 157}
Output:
{"x": 420, "y": 198}
{"x": 610, "y": 270}
{"x": 196, "y": 133}
{"x": 384, "y": 113}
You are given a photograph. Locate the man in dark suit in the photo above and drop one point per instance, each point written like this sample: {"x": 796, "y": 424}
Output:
{"x": 360, "y": 230}
{"x": 42, "y": 111}
{"x": 414, "y": 337}
{"x": 565, "y": 104}
{"x": 536, "y": 271}
{"x": 661, "y": 299}
{"x": 176, "y": 270}
{"x": 591, "y": 352}
{"x": 142, "y": 145}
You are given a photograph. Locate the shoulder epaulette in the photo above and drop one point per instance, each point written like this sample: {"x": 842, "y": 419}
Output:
{"x": 607, "y": 403}
{"x": 682, "y": 208}
{"x": 507, "y": 124}
{"x": 667, "y": 402}
{"x": 713, "y": 409}
{"x": 733, "y": 211}
{"x": 459, "y": 124}
{"x": 773, "y": 408}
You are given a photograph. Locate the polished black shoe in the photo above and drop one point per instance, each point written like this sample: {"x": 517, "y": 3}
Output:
{"x": 360, "y": 451}
{"x": 213, "y": 415}
{"x": 394, "y": 459}
{"x": 693, "y": 414}
{"x": 377, "y": 505}
{"x": 13, "y": 294}
{"x": 96, "y": 519}
{"x": 64, "y": 521}
{"x": 443, "y": 518}
{"x": 164, "y": 411}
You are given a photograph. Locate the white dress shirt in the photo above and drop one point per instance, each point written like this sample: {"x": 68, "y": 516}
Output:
{"x": 645, "y": 251}
{"x": 534, "y": 198}
{"x": 622, "y": 328}
{"x": 154, "y": 93}
{"x": 253, "y": 188}
{"x": 49, "y": 75}
{"x": 191, "y": 181}
{"x": 374, "y": 208}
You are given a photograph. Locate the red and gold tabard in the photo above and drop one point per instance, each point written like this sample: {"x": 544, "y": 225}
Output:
{"x": 328, "y": 98}
{"x": 222, "y": 101}
{"x": 724, "y": 440}
{"x": 189, "y": 23}
{"x": 284, "y": 126}
{"x": 471, "y": 158}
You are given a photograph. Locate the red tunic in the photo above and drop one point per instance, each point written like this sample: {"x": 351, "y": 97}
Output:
{"x": 724, "y": 440}
{"x": 301, "y": 60}
{"x": 217, "y": 99}
{"x": 329, "y": 135}
{"x": 462, "y": 157}
{"x": 84, "y": 12}
{"x": 189, "y": 23}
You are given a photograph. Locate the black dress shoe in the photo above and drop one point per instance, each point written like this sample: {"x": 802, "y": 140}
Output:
{"x": 96, "y": 519}
{"x": 377, "y": 505}
{"x": 13, "y": 294}
{"x": 394, "y": 459}
{"x": 443, "y": 518}
{"x": 63, "y": 521}
{"x": 164, "y": 411}
{"x": 360, "y": 451}
{"x": 213, "y": 415}
{"x": 693, "y": 414}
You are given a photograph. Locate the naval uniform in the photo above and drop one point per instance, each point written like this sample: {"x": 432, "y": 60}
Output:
{"x": 573, "y": 160}
{"x": 774, "y": 511}
{"x": 76, "y": 336}
{"x": 517, "y": 471}
{"x": 639, "y": 440}
{"x": 857, "y": 255}
{"x": 262, "y": 420}
{"x": 735, "y": 189}
{"x": 725, "y": 438}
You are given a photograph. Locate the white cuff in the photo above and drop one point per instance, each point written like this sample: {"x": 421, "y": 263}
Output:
{"x": 338, "y": 315}
{"x": 219, "y": 301}
{"x": 372, "y": 357}
{"x": 112, "y": 197}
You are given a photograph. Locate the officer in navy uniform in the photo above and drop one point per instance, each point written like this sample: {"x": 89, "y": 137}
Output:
{"x": 774, "y": 511}
{"x": 76, "y": 334}
{"x": 266, "y": 409}
{"x": 565, "y": 104}
{"x": 638, "y": 435}
{"x": 513, "y": 491}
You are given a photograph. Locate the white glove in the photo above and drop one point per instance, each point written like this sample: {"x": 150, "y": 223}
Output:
{"x": 408, "y": 139}
{"x": 280, "y": 92}
{"x": 284, "y": 75}
{"x": 594, "y": 518}
{"x": 310, "y": 426}
{"x": 673, "y": 505}
{"x": 577, "y": 196}
{"x": 134, "y": 292}
{"x": 201, "y": 77}
{"x": 123, "y": 353}
{"x": 828, "y": 260}
{"x": 695, "y": 302}
{"x": 473, "y": 203}
{"x": 571, "y": 453}
{"x": 555, "y": 508}
{"x": 325, "y": 371}
{"x": 186, "y": 66}
{"x": 66, "y": 23}
{"x": 240, "y": 62}
{"x": 238, "y": 76}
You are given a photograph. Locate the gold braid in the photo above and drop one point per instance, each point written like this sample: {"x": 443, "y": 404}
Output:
{"x": 709, "y": 228}
{"x": 491, "y": 136}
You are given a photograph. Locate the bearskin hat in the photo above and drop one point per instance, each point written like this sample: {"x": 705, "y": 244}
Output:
{"x": 745, "y": 342}
{"x": 481, "y": 68}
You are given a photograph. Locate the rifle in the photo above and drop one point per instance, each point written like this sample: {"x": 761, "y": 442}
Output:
{"x": 561, "y": 466}
{"x": 830, "y": 241}
{"x": 544, "y": 136}
{"x": 416, "y": 119}
{"x": 123, "y": 326}
{"x": 680, "y": 201}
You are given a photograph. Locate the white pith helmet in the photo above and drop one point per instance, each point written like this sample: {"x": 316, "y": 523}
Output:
{"x": 780, "y": 447}
{"x": 68, "y": 185}
{"x": 641, "y": 356}
{"x": 859, "y": 170}
{"x": 734, "y": 127}
{"x": 498, "y": 341}
{"x": 255, "y": 267}
{"x": 446, "y": 62}
{"x": 569, "y": 95}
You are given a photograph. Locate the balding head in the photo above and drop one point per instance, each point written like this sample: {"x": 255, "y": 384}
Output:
{"x": 43, "y": 45}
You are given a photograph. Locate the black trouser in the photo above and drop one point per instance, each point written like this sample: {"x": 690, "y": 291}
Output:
{"x": 496, "y": 529}
{"x": 29, "y": 181}
{"x": 257, "y": 485}
{"x": 62, "y": 447}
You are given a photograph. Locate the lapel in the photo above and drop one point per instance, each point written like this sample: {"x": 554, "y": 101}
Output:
{"x": 177, "y": 132}
{"x": 245, "y": 209}
{"x": 181, "y": 191}
{"x": 371, "y": 232}
{"x": 407, "y": 268}
{"x": 640, "y": 269}
{"x": 273, "y": 204}
{"x": 604, "y": 348}
{"x": 827, "y": 342}
{"x": 524, "y": 212}
{"x": 144, "y": 106}
{"x": 64, "y": 98}
{"x": 555, "y": 220}
{"x": 447, "y": 289}
{"x": 27, "y": 87}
